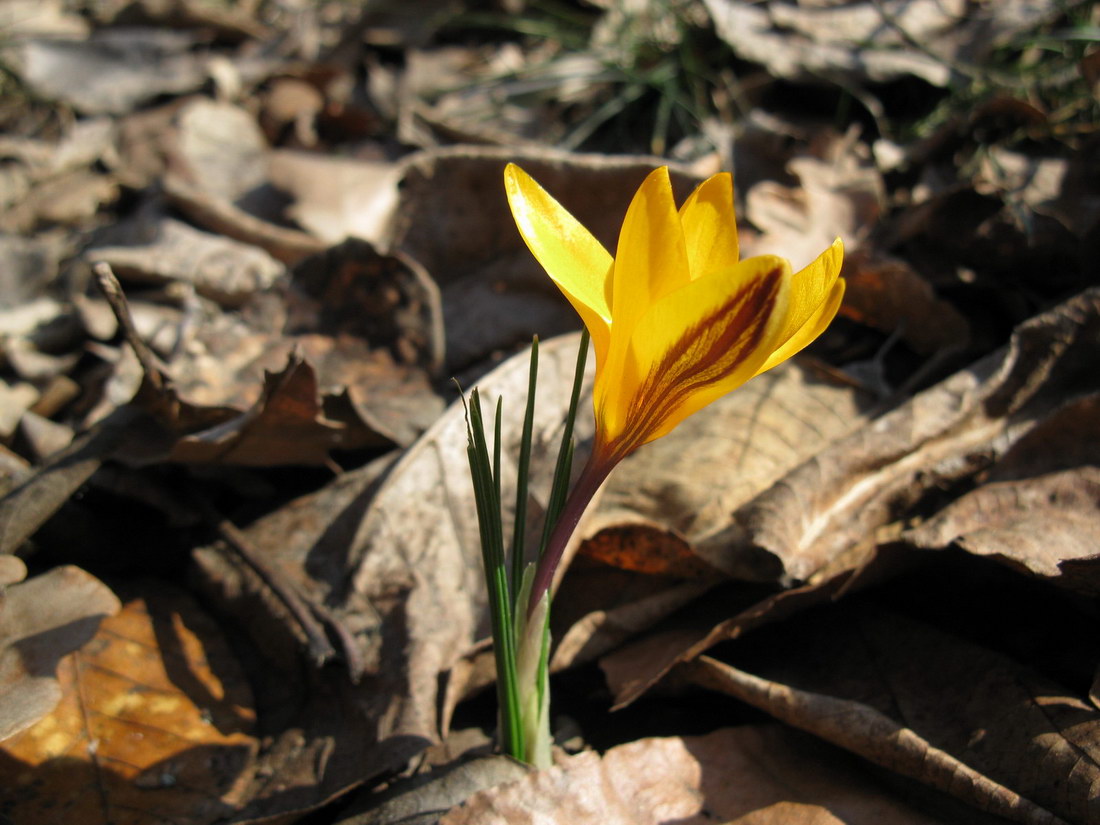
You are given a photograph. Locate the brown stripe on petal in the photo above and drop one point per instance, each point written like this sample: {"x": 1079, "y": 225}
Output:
{"x": 707, "y": 352}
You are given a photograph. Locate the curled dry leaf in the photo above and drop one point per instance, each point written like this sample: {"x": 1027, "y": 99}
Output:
{"x": 41, "y": 621}
{"x": 286, "y": 425}
{"x": 372, "y": 323}
{"x": 153, "y": 724}
{"x": 736, "y": 776}
{"x": 958, "y": 717}
{"x": 830, "y": 507}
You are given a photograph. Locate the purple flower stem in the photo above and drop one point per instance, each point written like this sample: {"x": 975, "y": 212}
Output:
{"x": 592, "y": 476}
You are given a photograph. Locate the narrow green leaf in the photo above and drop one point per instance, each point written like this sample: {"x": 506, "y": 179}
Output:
{"x": 564, "y": 466}
{"x": 487, "y": 498}
{"x": 519, "y": 525}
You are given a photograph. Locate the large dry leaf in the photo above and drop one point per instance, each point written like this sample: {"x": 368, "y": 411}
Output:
{"x": 328, "y": 735}
{"x": 667, "y": 509}
{"x": 959, "y": 717}
{"x": 1035, "y": 524}
{"x": 395, "y": 568}
{"x": 154, "y": 724}
{"x": 694, "y": 478}
{"x": 417, "y": 557}
{"x": 830, "y": 507}
{"x": 41, "y": 621}
{"x": 759, "y": 775}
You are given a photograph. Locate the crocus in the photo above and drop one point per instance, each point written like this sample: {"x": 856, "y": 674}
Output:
{"x": 677, "y": 319}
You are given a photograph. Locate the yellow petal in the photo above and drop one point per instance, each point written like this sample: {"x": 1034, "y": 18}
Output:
{"x": 810, "y": 287}
{"x": 814, "y": 326}
{"x": 698, "y": 343}
{"x": 569, "y": 253}
{"x": 710, "y": 226}
{"x": 650, "y": 262}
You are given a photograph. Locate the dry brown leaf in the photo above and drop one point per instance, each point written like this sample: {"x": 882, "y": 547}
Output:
{"x": 863, "y": 42}
{"x": 619, "y": 607}
{"x": 337, "y": 198}
{"x": 219, "y": 149}
{"x": 824, "y": 40}
{"x": 72, "y": 198}
{"x": 286, "y": 425}
{"x": 112, "y": 71}
{"x": 419, "y": 800}
{"x": 758, "y": 775}
{"x": 829, "y": 508}
{"x": 692, "y": 481}
{"x": 331, "y": 734}
{"x": 372, "y": 324}
{"x": 157, "y": 249}
{"x": 840, "y": 193}
{"x": 890, "y": 296}
{"x": 489, "y": 274}
{"x": 635, "y": 668}
{"x": 959, "y": 717}
{"x": 1033, "y": 524}
{"x": 41, "y": 621}
{"x": 223, "y": 217}
{"x": 154, "y": 723}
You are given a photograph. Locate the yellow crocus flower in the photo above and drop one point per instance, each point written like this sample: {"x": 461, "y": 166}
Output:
{"x": 677, "y": 319}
